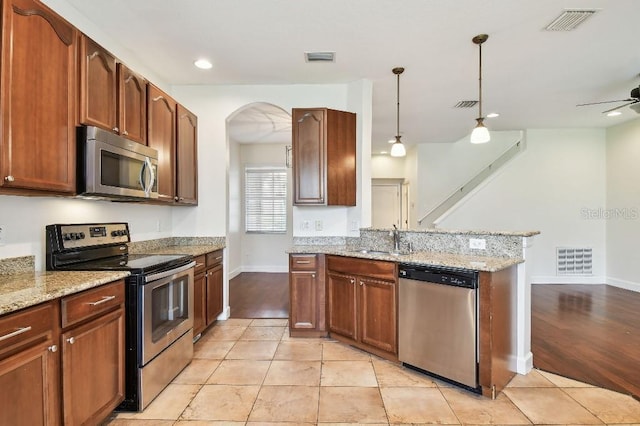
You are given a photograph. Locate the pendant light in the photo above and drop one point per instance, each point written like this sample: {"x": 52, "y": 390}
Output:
{"x": 480, "y": 133}
{"x": 397, "y": 149}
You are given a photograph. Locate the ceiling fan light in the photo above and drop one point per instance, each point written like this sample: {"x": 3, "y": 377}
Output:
{"x": 398, "y": 149}
{"x": 480, "y": 133}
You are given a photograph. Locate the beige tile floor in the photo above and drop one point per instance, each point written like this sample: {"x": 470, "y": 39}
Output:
{"x": 249, "y": 372}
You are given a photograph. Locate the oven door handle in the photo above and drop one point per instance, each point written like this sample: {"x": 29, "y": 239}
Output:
{"x": 160, "y": 275}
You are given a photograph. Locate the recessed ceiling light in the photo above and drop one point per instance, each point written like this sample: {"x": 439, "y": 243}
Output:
{"x": 493, "y": 115}
{"x": 203, "y": 64}
{"x": 383, "y": 152}
{"x": 613, "y": 113}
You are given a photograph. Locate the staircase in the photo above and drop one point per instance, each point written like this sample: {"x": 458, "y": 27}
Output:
{"x": 430, "y": 219}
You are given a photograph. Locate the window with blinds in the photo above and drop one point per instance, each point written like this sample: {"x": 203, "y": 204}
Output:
{"x": 265, "y": 199}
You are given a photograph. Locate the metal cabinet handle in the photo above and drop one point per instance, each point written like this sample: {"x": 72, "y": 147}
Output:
{"x": 313, "y": 275}
{"x": 360, "y": 282}
{"x": 219, "y": 258}
{"x": 175, "y": 198}
{"x": 53, "y": 348}
{"x": 124, "y": 132}
{"x": 71, "y": 340}
{"x": 199, "y": 265}
{"x": 101, "y": 301}
{"x": 303, "y": 262}
{"x": 15, "y": 333}
{"x": 116, "y": 130}
{"x": 9, "y": 178}
{"x": 352, "y": 281}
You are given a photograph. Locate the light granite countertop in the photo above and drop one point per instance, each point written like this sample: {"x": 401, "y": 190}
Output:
{"x": 21, "y": 290}
{"x": 195, "y": 250}
{"x": 424, "y": 258}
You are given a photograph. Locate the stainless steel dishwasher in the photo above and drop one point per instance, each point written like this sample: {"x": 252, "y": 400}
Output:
{"x": 437, "y": 325}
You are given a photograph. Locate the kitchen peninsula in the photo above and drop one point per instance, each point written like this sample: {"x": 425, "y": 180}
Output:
{"x": 348, "y": 288}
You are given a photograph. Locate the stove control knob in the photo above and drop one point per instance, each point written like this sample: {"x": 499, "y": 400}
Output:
{"x": 81, "y": 236}
{"x": 122, "y": 232}
{"x": 66, "y": 237}
{"x": 114, "y": 233}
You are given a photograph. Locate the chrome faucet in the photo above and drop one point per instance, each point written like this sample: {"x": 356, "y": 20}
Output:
{"x": 396, "y": 238}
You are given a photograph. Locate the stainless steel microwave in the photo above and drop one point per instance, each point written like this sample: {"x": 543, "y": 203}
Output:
{"x": 110, "y": 166}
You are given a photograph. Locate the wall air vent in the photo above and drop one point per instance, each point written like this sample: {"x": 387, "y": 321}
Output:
{"x": 466, "y": 104}
{"x": 574, "y": 261}
{"x": 320, "y": 56}
{"x": 569, "y": 19}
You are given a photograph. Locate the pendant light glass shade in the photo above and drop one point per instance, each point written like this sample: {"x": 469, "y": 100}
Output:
{"x": 480, "y": 133}
{"x": 397, "y": 149}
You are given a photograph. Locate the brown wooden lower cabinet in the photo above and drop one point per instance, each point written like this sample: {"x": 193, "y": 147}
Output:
{"x": 70, "y": 375}
{"x": 307, "y": 295}
{"x": 93, "y": 354}
{"x": 29, "y": 367}
{"x": 208, "y": 290}
{"x": 363, "y": 303}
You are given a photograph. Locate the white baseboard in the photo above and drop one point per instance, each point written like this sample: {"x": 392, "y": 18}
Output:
{"x": 234, "y": 273}
{"x": 521, "y": 365}
{"x": 554, "y": 279}
{"x": 627, "y": 285}
{"x": 265, "y": 268}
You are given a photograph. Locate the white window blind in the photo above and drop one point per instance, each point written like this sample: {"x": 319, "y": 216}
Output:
{"x": 265, "y": 192}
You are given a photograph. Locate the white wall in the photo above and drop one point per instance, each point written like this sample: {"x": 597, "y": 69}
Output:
{"x": 234, "y": 210}
{"x": 265, "y": 252}
{"x": 387, "y": 167}
{"x": 622, "y": 213}
{"x": 546, "y": 188}
{"x": 24, "y": 220}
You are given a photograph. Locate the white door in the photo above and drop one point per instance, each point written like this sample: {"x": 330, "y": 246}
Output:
{"x": 385, "y": 205}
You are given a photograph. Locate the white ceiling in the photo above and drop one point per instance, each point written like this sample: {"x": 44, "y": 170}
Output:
{"x": 533, "y": 78}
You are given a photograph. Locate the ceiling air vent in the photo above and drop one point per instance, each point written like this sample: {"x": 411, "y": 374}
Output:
{"x": 320, "y": 56}
{"x": 466, "y": 104}
{"x": 570, "y": 19}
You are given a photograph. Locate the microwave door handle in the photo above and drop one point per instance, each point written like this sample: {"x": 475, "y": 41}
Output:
{"x": 152, "y": 177}
{"x": 141, "y": 177}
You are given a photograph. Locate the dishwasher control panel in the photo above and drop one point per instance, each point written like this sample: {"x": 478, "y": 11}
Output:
{"x": 452, "y": 277}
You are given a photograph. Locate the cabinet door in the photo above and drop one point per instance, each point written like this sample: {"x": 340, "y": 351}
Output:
{"x": 303, "y": 289}
{"x": 214, "y": 293}
{"x": 161, "y": 135}
{"x": 309, "y": 151}
{"x": 38, "y": 100}
{"x": 377, "y": 314}
{"x": 31, "y": 379}
{"x": 342, "y": 305}
{"x": 199, "y": 303}
{"x": 187, "y": 157}
{"x": 93, "y": 369}
{"x": 132, "y": 105}
{"x": 97, "y": 86}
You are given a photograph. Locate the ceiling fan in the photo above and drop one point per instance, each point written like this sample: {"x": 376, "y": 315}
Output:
{"x": 634, "y": 98}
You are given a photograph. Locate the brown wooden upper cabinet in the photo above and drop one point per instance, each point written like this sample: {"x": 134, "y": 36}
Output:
{"x": 38, "y": 99}
{"x": 187, "y": 157}
{"x": 132, "y": 105}
{"x": 111, "y": 95}
{"x": 324, "y": 157}
{"x": 161, "y": 135}
{"x": 98, "y": 86}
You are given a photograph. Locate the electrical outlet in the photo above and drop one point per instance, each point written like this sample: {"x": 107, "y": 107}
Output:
{"x": 318, "y": 225}
{"x": 304, "y": 225}
{"x": 354, "y": 225}
{"x": 2, "y": 232}
{"x": 478, "y": 243}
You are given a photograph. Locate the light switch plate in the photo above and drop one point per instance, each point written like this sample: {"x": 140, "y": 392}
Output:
{"x": 2, "y": 236}
{"x": 318, "y": 225}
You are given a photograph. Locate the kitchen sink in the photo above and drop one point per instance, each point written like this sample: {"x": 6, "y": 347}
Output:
{"x": 380, "y": 252}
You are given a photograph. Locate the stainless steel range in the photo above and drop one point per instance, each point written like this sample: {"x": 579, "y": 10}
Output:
{"x": 159, "y": 301}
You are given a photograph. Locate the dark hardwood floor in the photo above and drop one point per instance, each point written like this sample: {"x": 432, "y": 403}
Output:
{"x": 590, "y": 333}
{"x": 259, "y": 295}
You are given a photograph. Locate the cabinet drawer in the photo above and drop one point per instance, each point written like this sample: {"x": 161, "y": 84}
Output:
{"x": 369, "y": 268}
{"x": 214, "y": 258}
{"x": 26, "y": 327}
{"x": 201, "y": 264}
{"x": 302, "y": 262}
{"x": 91, "y": 303}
